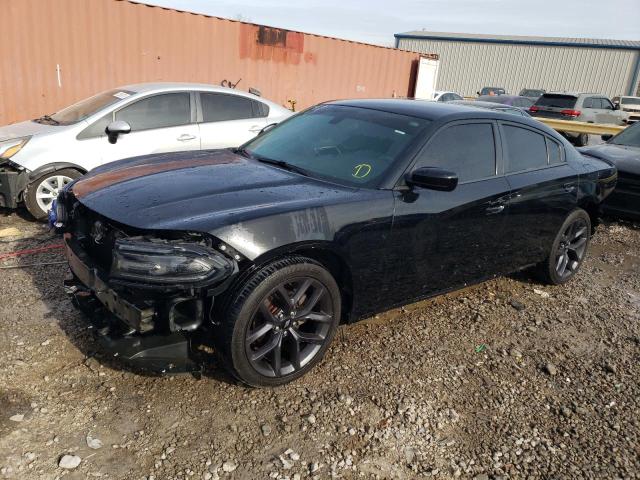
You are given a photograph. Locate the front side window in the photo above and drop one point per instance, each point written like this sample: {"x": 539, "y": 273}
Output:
{"x": 220, "y": 107}
{"x": 468, "y": 150}
{"x": 606, "y": 104}
{"x": 158, "y": 111}
{"x": 526, "y": 149}
{"x": 85, "y": 108}
{"x": 351, "y": 145}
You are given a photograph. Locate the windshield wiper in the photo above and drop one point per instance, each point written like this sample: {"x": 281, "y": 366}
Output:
{"x": 243, "y": 151}
{"x": 48, "y": 118}
{"x": 282, "y": 164}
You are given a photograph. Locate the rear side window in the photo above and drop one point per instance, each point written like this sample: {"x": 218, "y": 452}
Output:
{"x": 526, "y": 149}
{"x": 588, "y": 103}
{"x": 159, "y": 111}
{"x": 467, "y": 150}
{"x": 557, "y": 101}
{"x": 554, "y": 151}
{"x": 220, "y": 107}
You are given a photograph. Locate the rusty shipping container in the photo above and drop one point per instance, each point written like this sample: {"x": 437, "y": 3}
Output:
{"x": 55, "y": 52}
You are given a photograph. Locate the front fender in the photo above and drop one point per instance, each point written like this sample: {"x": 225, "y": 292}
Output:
{"x": 52, "y": 167}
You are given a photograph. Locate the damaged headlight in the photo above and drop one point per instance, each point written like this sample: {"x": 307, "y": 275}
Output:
{"x": 168, "y": 262}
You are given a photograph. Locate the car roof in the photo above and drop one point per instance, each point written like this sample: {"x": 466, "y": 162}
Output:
{"x": 575, "y": 94}
{"x": 458, "y": 109}
{"x": 156, "y": 87}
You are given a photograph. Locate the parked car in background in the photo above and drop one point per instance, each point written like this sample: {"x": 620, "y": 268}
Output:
{"x": 511, "y": 100}
{"x": 498, "y": 107}
{"x": 491, "y": 91}
{"x": 532, "y": 93}
{"x": 623, "y": 150}
{"x": 580, "y": 107}
{"x": 631, "y": 105}
{"x": 39, "y": 157}
{"x": 346, "y": 209}
{"x": 444, "y": 96}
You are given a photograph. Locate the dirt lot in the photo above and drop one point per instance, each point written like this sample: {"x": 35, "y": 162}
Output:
{"x": 507, "y": 379}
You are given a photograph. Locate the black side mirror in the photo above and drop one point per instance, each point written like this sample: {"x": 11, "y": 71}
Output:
{"x": 616, "y": 106}
{"x": 115, "y": 129}
{"x": 433, "y": 178}
{"x": 606, "y": 137}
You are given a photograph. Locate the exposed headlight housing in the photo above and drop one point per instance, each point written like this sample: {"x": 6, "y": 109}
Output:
{"x": 166, "y": 263}
{"x": 9, "y": 148}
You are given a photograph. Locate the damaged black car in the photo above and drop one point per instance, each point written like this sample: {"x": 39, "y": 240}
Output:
{"x": 347, "y": 209}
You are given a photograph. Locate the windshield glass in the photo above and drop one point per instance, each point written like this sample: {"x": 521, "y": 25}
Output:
{"x": 629, "y": 136}
{"x": 87, "y": 107}
{"x": 350, "y": 145}
{"x": 557, "y": 101}
{"x": 630, "y": 101}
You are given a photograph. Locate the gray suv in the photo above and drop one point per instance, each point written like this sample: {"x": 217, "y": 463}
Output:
{"x": 581, "y": 107}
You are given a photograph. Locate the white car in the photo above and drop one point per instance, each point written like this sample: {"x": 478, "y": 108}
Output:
{"x": 631, "y": 105}
{"x": 443, "y": 96}
{"x": 38, "y": 157}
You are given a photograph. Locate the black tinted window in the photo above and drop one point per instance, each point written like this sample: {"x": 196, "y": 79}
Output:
{"x": 557, "y": 101}
{"x": 526, "y": 149}
{"x": 159, "y": 111}
{"x": 218, "y": 107}
{"x": 467, "y": 150}
{"x": 554, "y": 151}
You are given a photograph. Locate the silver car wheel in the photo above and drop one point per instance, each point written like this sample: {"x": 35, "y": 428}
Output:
{"x": 48, "y": 190}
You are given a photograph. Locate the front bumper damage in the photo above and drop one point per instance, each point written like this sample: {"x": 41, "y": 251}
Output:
{"x": 139, "y": 333}
{"x": 12, "y": 183}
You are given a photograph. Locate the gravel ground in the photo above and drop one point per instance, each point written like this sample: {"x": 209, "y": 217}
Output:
{"x": 506, "y": 379}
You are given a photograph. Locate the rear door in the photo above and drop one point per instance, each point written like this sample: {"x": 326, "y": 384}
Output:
{"x": 544, "y": 191}
{"x": 159, "y": 123}
{"x": 441, "y": 240}
{"x": 228, "y": 120}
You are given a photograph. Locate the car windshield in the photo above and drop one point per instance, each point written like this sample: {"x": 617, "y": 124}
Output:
{"x": 630, "y": 136}
{"x": 349, "y": 145}
{"x": 87, "y": 107}
{"x": 630, "y": 101}
{"x": 557, "y": 101}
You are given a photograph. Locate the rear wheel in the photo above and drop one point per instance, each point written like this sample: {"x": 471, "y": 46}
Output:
{"x": 42, "y": 191}
{"x": 568, "y": 250}
{"x": 581, "y": 140}
{"x": 280, "y": 322}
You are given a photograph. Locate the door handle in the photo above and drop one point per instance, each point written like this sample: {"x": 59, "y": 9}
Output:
{"x": 185, "y": 137}
{"x": 494, "y": 210}
{"x": 256, "y": 128}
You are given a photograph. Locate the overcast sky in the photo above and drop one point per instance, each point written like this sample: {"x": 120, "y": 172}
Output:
{"x": 375, "y": 21}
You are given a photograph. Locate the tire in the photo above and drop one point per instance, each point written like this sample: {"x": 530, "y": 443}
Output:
{"x": 256, "y": 328}
{"x": 581, "y": 140}
{"x": 48, "y": 183}
{"x": 568, "y": 250}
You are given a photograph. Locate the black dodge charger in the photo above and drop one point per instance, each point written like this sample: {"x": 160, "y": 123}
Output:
{"x": 349, "y": 208}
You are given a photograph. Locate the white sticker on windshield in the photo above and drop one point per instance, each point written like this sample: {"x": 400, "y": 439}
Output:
{"x": 121, "y": 95}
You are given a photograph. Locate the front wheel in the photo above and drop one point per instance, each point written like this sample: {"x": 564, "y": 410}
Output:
{"x": 280, "y": 322}
{"x": 568, "y": 250}
{"x": 44, "y": 190}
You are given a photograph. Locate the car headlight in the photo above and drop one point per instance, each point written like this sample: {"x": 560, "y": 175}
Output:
{"x": 9, "y": 148}
{"x": 164, "y": 263}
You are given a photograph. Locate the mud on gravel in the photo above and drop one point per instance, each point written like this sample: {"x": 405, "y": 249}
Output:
{"x": 507, "y": 379}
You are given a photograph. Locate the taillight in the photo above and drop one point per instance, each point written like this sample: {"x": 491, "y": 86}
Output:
{"x": 571, "y": 113}
{"x": 533, "y": 109}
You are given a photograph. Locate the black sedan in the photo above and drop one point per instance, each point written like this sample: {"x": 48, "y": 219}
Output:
{"x": 347, "y": 209}
{"x": 623, "y": 150}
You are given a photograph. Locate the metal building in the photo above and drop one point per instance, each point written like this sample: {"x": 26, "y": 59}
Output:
{"x": 469, "y": 62}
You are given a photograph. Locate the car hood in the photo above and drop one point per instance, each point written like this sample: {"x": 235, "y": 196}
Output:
{"x": 25, "y": 129}
{"x": 198, "y": 191}
{"x": 625, "y": 158}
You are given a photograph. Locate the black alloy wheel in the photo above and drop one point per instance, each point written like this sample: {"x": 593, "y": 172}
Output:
{"x": 280, "y": 322}
{"x": 569, "y": 249}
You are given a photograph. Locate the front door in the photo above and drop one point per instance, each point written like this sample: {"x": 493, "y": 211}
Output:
{"x": 159, "y": 123}
{"x": 442, "y": 240}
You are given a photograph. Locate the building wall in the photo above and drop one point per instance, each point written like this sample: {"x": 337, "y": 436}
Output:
{"x": 55, "y": 52}
{"x": 465, "y": 67}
